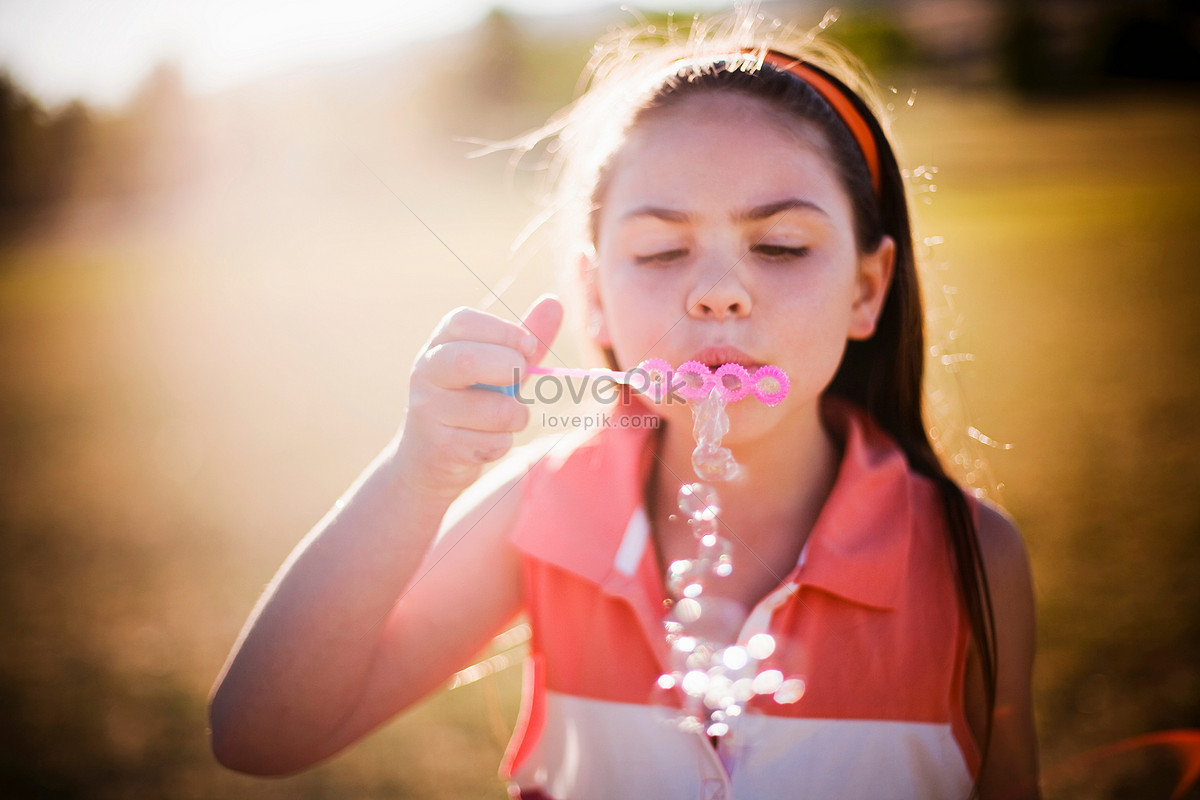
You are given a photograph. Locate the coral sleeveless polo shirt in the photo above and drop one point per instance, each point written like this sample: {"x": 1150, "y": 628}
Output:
{"x": 870, "y": 619}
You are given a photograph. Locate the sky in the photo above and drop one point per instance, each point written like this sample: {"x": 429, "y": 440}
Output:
{"x": 101, "y": 50}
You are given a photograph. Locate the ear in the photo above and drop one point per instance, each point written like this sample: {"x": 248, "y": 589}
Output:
{"x": 597, "y": 325}
{"x": 874, "y": 277}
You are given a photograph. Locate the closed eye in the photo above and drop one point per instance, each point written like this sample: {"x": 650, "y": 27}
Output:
{"x": 775, "y": 252}
{"x": 664, "y": 257}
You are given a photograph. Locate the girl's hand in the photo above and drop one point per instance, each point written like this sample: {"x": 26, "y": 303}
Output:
{"x": 453, "y": 430}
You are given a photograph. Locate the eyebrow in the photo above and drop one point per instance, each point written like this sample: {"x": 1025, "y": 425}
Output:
{"x": 778, "y": 207}
{"x": 765, "y": 211}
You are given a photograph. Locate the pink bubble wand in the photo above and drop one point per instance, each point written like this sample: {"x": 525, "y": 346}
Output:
{"x": 692, "y": 380}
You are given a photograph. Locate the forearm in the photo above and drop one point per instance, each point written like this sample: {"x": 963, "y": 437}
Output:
{"x": 301, "y": 661}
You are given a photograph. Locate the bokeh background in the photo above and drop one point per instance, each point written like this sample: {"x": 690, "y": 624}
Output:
{"x": 210, "y": 299}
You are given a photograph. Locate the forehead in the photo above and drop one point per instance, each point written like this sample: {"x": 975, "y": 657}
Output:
{"x": 721, "y": 148}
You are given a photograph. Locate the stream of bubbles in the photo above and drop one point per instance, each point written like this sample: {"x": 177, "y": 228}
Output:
{"x": 717, "y": 673}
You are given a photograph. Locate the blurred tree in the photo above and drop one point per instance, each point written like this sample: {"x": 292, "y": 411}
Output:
{"x": 1078, "y": 45}
{"x": 508, "y": 75}
{"x": 497, "y": 68}
{"x": 47, "y": 158}
{"x": 1155, "y": 42}
{"x": 1025, "y": 59}
{"x": 159, "y": 130}
{"x": 68, "y": 140}
{"x": 874, "y": 35}
{"x": 148, "y": 148}
{"x": 41, "y": 155}
{"x": 20, "y": 119}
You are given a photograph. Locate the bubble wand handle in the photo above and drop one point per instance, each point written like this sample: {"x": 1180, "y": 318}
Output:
{"x": 692, "y": 380}
{"x": 622, "y": 378}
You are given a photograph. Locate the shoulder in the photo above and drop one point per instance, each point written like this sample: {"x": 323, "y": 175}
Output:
{"x": 1005, "y": 557}
{"x": 529, "y": 472}
{"x": 585, "y": 459}
{"x": 1010, "y": 583}
{"x": 1011, "y": 769}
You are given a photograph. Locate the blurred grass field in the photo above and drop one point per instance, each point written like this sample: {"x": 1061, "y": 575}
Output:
{"x": 184, "y": 394}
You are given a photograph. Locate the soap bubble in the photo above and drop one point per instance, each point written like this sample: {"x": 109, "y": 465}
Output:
{"x": 718, "y": 675}
{"x": 717, "y": 729}
{"x": 695, "y": 683}
{"x": 715, "y": 463}
{"x": 722, "y": 466}
{"x": 735, "y": 657}
{"x": 760, "y": 646}
{"x": 699, "y": 501}
{"x": 768, "y": 681}
{"x": 717, "y": 619}
{"x": 700, "y": 658}
{"x": 684, "y": 644}
{"x": 790, "y": 691}
{"x": 685, "y": 577}
{"x": 710, "y": 423}
{"x": 687, "y": 610}
{"x": 716, "y": 550}
{"x": 719, "y": 693}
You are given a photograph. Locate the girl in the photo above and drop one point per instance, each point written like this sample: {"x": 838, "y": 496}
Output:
{"x": 737, "y": 204}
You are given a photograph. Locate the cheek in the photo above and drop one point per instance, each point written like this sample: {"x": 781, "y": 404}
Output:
{"x": 631, "y": 312}
{"x": 815, "y": 329}
{"x": 816, "y": 299}
{"x": 811, "y": 319}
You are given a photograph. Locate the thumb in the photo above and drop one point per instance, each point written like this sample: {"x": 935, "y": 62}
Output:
{"x": 543, "y": 319}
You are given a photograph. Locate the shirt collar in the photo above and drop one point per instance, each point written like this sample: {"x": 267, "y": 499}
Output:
{"x": 861, "y": 540}
{"x": 578, "y": 521}
{"x": 857, "y": 549}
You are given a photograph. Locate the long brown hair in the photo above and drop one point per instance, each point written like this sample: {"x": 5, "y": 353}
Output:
{"x": 882, "y": 374}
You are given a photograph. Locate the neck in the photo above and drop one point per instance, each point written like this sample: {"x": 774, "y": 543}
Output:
{"x": 789, "y": 471}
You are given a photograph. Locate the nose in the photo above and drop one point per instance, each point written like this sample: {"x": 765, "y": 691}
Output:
{"x": 719, "y": 294}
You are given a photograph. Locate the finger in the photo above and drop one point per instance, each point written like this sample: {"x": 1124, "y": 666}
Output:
{"x": 479, "y": 447}
{"x": 460, "y": 364}
{"x": 543, "y": 319}
{"x": 469, "y": 324}
{"x": 469, "y": 409}
{"x": 460, "y": 456}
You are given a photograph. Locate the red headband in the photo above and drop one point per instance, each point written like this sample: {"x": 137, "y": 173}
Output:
{"x": 836, "y": 97}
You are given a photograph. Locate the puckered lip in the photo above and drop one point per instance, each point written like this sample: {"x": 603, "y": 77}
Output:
{"x": 724, "y": 354}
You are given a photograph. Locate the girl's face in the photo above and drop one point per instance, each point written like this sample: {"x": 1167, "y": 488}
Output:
{"x": 724, "y": 236}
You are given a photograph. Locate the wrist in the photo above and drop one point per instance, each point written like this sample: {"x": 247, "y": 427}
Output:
{"x": 420, "y": 477}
